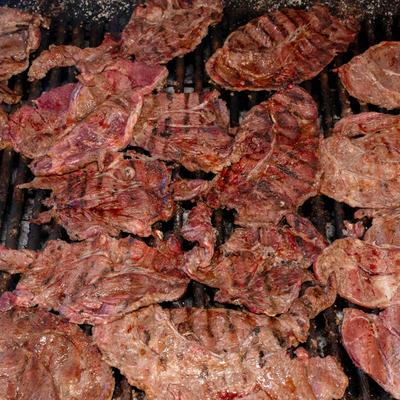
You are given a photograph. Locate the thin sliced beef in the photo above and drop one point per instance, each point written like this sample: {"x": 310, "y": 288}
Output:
{"x": 89, "y": 60}
{"x": 209, "y": 354}
{"x": 129, "y": 194}
{"x": 19, "y": 37}
{"x": 44, "y": 357}
{"x": 373, "y": 343}
{"x": 95, "y": 281}
{"x": 280, "y": 48}
{"x": 374, "y": 76}
{"x": 187, "y": 128}
{"x": 275, "y": 160}
{"x": 75, "y": 124}
{"x": 385, "y": 228}
{"x": 360, "y": 161}
{"x": 261, "y": 268}
{"x": 188, "y": 189}
{"x": 161, "y": 30}
{"x": 367, "y": 275}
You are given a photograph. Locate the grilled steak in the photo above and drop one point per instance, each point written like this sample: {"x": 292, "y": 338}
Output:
{"x": 360, "y": 161}
{"x": 367, "y": 274}
{"x": 43, "y": 357}
{"x": 188, "y": 128}
{"x": 261, "y": 268}
{"x": 374, "y": 76}
{"x": 95, "y": 281}
{"x": 275, "y": 160}
{"x": 385, "y": 228}
{"x": 75, "y": 124}
{"x": 280, "y": 48}
{"x": 208, "y": 354}
{"x": 373, "y": 343}
{"x": 163, "y": 29}
{"x": 90, "y": 60}
{"x": 129, "y": 194}
{"x": 19, "y": 37}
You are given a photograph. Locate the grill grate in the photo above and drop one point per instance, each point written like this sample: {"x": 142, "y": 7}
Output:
{"x": 188, "y": 73}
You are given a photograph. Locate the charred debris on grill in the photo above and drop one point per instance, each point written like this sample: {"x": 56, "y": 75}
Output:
{"x": 83, "y": 23}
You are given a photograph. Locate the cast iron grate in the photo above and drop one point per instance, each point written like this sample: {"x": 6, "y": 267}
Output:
{"x": 188, "y": 74}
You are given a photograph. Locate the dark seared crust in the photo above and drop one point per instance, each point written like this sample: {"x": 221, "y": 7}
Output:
{"x": 161, "y": 30}
{"x": 45, "y": 357}
{"x": 280, "y": 48}
{"x": 374, "y": 76}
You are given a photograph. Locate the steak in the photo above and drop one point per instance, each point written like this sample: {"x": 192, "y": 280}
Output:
{"x": 374, "y": 76}
{"x": 209, "y": 354}
{"x": 161, "y": 30}
{"x": 367, "y": 274}
{"x": 129, "y": 194}
{"x": 19, "y": 37}
{"x": 275, "y": 160}
{"x": 373, "y": 343}
{"x": 262, "y": 268}
{"x": 188, "y": 189}
{"x": 189, "y": 128}
{"x": 95, "y": 281}
{"x": 43, "y": 357}
{"x": 89, "y": 60}
{"x": 75, "y": 124}
{"x": 283, "y": 47}
{"x": 360, "y": 161}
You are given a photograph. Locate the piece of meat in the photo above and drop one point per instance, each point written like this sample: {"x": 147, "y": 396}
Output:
{"x": 209, "y": 354}
{"x": 360, "y": 161}
{"x": 262, "y": 268}
{"x": 373, "y": 343}
{"x": 89, "y": 60}
{"x": 367, "y": 275}
{"x": 281, "y": 48}
{"x": 161, "y": 30}
{"x": 385, "y": 228}
{"x": 3, "y": 129}
{"x": 129, "y": 194}
{"x": 374, "y": 76}
{"x": 95, "y": 281}
{"x": 19, "y": 37}
{"x": 44, "y": 357}
{"x": 189, "y": 128}
{"x": 189, "y": 189}
{"x": 75, "y": 124}
{"x": 275, "y": 160}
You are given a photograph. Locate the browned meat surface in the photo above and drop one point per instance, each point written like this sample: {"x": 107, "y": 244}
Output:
{"x": 261, "y": 268}
{"x": 95, "y": 281}
{"x": 276, "y": 160}
{"x": 3, "y": 128}
{"x": 188, "y": 189}
{"x": 129, "y": 194}
{"x": 385, "y": 228}
{"x": 88, "y": 60}
{"x": 367, "y": 275}
{"x": 373, "y": 343}
{"x": 161, "y": 30}
{"x": 213, "y": 354}
{"x": 280, "y": 48}
{"x": 374, "y": 76}
{"x": 188, "y": 128}
{"x": 19, "y": 37}
{"x": 75, "y": 124}
{"x": 360, "y": 161}
{"x": 43, "y": 357}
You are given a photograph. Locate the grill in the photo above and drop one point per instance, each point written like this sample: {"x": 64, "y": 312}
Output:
{"x": 73, "y": 26}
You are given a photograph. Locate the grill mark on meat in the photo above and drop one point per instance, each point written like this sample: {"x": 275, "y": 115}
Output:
{"x": 209, "y": 323}
{"x": 267, "y": 25}
{"x": 292, "y": 174}
{"x": 279, "y": 27}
